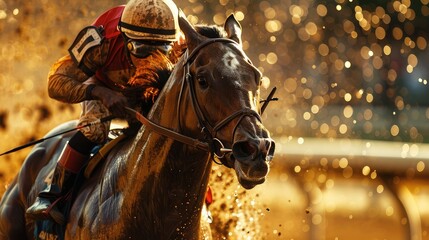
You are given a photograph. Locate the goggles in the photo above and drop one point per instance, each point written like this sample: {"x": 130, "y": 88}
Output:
{"x": 144, "y": 49}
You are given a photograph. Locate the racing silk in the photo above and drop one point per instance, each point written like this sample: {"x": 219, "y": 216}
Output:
{"x": 116, "y": 69}
{"x": 106, "y": 60}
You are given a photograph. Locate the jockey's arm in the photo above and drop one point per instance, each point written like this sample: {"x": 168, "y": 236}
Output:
{"x": 67, "y": 76}
{"x": 65, "y": 81}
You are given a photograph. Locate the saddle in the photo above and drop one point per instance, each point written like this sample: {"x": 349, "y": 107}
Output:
{"x": 103, "y": 151}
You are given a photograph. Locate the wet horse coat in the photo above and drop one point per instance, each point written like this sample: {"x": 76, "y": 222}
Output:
{"x": 152, "y": 186}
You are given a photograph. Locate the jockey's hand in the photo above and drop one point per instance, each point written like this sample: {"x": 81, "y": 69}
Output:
{"x": 114, "y": 101}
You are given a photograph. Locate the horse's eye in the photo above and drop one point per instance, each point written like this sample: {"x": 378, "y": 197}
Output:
{"x": 202, "y": 82}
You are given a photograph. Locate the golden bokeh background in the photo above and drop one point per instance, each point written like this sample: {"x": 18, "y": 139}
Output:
{"x": 344, "y": 69}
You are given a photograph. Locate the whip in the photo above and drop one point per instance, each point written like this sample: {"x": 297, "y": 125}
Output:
{"x": 105, "y": 119}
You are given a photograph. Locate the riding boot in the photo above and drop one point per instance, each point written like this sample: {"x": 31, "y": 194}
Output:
{"x": 66, "y": 170}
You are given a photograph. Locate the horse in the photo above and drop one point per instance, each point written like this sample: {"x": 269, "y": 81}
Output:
{"x": 153, "y": 185}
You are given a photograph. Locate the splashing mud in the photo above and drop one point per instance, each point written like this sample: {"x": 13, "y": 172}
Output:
{"x": 236, "y": 212}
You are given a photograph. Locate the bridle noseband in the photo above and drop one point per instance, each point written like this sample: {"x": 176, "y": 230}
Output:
{"x": 210, "y": 143}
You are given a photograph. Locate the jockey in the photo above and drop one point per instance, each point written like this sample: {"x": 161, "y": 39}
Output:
{"x": 100, "y": 63}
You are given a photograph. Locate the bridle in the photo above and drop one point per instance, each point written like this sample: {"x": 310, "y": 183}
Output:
{"x": 217, "y": 148}
{"x": 210, "y": 143}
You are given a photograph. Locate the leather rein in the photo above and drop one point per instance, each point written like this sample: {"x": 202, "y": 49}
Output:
{"x": 210, "y": 142}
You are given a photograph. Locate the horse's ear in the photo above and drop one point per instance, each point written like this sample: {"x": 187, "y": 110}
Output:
{"x": 193, "y": 38}
{"x": 233, "y": 29}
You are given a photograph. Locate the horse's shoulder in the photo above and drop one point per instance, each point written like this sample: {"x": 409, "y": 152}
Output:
{"x": 100, "y": 189}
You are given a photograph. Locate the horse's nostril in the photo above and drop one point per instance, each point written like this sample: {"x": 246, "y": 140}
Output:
{"x": 244, "y": 150}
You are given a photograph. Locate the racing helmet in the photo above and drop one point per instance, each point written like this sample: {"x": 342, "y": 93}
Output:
{"x": 150, "y": 20}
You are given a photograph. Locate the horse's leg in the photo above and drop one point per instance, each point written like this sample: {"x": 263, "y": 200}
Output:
{"x": 12, "y": 218}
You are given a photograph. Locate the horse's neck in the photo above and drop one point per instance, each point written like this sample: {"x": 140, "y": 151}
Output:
{"x": 163, "y": 182}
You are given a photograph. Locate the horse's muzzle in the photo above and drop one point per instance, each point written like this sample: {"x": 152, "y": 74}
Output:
{"x": 251, "y": 160}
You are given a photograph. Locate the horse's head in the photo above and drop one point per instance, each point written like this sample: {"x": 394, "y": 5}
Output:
{"x": 224, "y": 94}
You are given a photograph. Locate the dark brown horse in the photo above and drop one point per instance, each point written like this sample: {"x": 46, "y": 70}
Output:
{"x": 153, "y": 186}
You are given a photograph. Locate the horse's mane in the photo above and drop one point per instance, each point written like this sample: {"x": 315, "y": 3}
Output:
{"x": 151, "y": 75}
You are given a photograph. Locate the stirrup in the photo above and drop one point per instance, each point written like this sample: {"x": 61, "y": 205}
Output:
{"x": 51, "y": 212}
